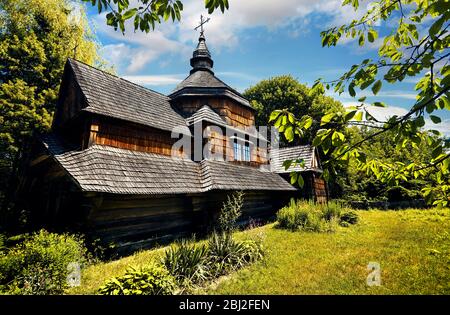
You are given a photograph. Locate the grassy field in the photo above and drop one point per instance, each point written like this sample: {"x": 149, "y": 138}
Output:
{"x": 411, "y": 246}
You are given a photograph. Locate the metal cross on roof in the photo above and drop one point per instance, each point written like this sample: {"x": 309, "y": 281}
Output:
{"x": 202, "y": 22}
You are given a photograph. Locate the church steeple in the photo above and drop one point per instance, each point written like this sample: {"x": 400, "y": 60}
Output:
{"x": 201, "y": 58}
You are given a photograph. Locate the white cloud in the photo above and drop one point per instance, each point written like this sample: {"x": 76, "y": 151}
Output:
{"x": 135, "y": 50}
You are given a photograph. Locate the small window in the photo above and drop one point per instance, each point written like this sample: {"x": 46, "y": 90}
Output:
{"x": 237, "y": 151}
{"x": 247, "y": 152}
{"x": 241, "y": 152}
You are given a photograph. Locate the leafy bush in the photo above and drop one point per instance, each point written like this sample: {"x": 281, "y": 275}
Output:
{"x": 349, "y": 217}
{"x": 150, "y": 280}
{"x": 225, "y": 254}
{"x": 39, "y": 265}
{"x": 308, "y": 216}
{"x": 187, "y": 263}
{"x": 331, "y": 210}
{"x": 231, "y": 211}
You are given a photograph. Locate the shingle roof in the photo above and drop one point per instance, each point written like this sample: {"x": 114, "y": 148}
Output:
{"x": 115, "y": 97}
{"x": 112, "y": 170}
{"x": 227, "y": 176}
{"x": 119, "y": 171}
{"x": 205, "y": 82}
{"x": 206, "y": 113}
{"x": 203, "y": 79}
{"x": 303, "y": 152}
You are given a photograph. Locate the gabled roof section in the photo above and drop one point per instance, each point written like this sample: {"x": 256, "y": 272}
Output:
{"x": 115, "y": 97}
{"x": 208, "y": 114}
{"x": 307, "y": 153}
{"x": 118, "y": 171}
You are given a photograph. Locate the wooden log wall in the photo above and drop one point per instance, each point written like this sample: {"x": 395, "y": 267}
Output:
{"x": 130, "y": 136}
{"x": 134, "y": 222}
{"x": 234, "y": 113}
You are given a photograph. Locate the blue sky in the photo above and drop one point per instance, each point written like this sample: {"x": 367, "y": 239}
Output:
{"x": 254, "y": 40}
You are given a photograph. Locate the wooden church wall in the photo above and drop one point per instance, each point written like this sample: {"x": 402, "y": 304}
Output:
{"x": 234, "y": 113}
{"x": 130, "y": 136}
{"x": 223, "y": 146}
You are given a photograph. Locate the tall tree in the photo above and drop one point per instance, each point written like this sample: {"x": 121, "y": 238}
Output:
{"x": 285, "y": 92}
{"x": 404, "y": 53}
{"x": 359, "y": 185}
{"x": 36, "y": 38}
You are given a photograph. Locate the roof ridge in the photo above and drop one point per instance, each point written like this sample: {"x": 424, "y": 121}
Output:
{"x": 116, "y": 76}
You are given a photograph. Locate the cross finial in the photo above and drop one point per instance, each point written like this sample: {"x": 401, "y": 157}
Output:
{"x": 202, "y": 22}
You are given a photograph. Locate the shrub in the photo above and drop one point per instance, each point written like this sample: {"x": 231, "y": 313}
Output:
{"x": 331, "y": 210}
{"x": 187, "y": 263}
{"x": 308, "y": 216}
{"x": 231, "y": 211}
{"x": 299, "y": 215}
{"x": 349, "y": 217}
{"x": 150, "y": 280}
{"x": 225, "y": 254}
{"x": 39, "y": 265}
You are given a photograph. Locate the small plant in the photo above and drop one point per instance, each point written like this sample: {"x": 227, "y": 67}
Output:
{"x": 39, "y": 265}
{"x": 332, "y": 210}
{"x": 225, "y": 254}
{"x": 349, "y": 217}
{"x": 150, "y": 280}
{"x": 231, "y": 211}
{"x": 187, "y": 263}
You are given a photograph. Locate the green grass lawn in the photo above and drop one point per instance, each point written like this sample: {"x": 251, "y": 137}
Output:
{"x": 411, "y": 246}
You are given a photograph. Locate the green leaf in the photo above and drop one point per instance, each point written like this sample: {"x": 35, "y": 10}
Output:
{"x": 129, "y": 14}
{"x": 289, "y": 134}
{"x": 358, "y": 116}
{"x": 361, "y": 40}
{"x": 379, "y": 104}
{"x": 351, "y": 90}
{"x": 294, "y": 178}
{"x": 436, "y": 27}
{"x": 376, "y": 87}
{"x": 327, "y": 118}
{"x": 362, "y": 99}
{"x": 435, "y": 119}
{"x": 372, "y": 35}
{"x": 274, "y": 115}
{"x": 300, "y": 181}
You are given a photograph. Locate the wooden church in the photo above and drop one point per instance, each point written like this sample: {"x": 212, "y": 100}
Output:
{"x": 111, "y": 167}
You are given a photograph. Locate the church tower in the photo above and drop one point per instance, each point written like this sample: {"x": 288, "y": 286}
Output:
{"x": 202, "y": 87}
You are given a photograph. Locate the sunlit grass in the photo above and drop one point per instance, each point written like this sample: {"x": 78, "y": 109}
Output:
{"x": 411, "y": 246}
